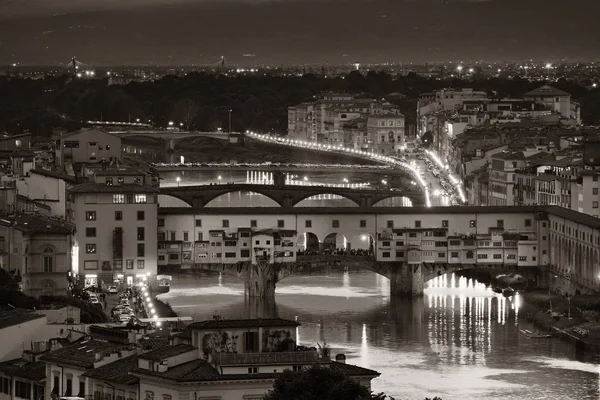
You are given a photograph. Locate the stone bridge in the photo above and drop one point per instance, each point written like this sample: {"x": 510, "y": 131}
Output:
{"x": 406, "y": 280}
{"x": 287, "y": 195}
{"x": 170, "y": 138}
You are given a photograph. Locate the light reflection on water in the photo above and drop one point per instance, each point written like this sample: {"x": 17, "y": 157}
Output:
{"x": 460, "y": 341}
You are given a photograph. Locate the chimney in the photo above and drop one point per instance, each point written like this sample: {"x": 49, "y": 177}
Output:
{"x": 340, "y": 358}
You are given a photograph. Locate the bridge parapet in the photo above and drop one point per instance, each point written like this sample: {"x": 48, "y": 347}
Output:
{"x": 286, "y": 195}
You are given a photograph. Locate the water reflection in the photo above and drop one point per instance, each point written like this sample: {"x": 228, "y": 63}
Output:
{"x": 460, "y": 341}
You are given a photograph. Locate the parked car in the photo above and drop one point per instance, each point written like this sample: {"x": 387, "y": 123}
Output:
{"x": 112, "y": 290}
{"x": 94, "y": 300}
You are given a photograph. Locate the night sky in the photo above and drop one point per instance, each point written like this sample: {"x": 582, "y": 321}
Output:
{"x": 182, "y": 32}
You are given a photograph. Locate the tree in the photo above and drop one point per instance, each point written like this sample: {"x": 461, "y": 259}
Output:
{"x": 185, "y": 111}
{"x": 318, "y": 383}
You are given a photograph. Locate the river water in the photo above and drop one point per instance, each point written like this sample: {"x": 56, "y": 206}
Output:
{"x": 460, "y": 341}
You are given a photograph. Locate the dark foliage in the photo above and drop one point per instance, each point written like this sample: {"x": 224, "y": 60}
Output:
{"x": 202, "y": 101}
{"x": 317, "y": 383}
{"x": 9, "y": 294}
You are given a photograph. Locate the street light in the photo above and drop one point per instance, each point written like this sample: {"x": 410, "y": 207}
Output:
{"x": 230, "y": 120}
{"x": 178, "y": 180}
{"x": 459, "y": 69}
{"x": 219, "y": 178}
{"x": 170, "y": 123}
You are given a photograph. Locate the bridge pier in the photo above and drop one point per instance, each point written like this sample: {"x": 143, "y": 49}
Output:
{"x": 260, "y": 279}
{"x": 169, "y": 145}
{"x": 406, "y": 280}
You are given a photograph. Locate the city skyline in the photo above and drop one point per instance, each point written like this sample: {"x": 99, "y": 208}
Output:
{"x": 188, "y": 32}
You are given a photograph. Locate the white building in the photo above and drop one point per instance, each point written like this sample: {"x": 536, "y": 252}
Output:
{"x": 116, "y": 234}
{"x": 555, "y": 100}
{"x": 585, "y": 191}
{"x": 39, "y": 250}
{"x": 89, "y": 146}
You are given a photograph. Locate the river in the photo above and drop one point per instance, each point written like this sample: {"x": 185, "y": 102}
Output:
{"x": 460, "y": 341}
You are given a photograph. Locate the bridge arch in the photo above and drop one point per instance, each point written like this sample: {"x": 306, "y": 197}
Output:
{"x": 335, "y": 241}
{"x": 307, "y": 196}
{"x": 395, "y": 201}
{"x": 242, "y": 198}
{"x": 197, "y": 139}
{"x": 308, "y": 242}
{"x": 340, "y": 201}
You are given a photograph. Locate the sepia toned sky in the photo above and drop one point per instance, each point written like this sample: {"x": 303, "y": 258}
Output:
{"x": 250, "y": 32}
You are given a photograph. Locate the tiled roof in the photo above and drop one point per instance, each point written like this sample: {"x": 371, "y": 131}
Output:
{"x": 37, "y": 224}
{"x": 273, "y": 358}
{"x": 92, "y": 187}
{"x": 31, "y": 371}
{"x": 75, "y": 133}
{"x": 546, "y": 90}
{"x": 82, "y": 353}
{"x": 243, "y": 323}
{"x": 167, "y": 352}
{"x": 352, "y": 370}
{"x": 129, "y": 171}
{"x": 36, "y": 203}
{"x": 517, "y": 155}
{"x": 116, "y": 372}
{"x": 153, "y": 341}
{"x": 21, "y": 152}
{"x": 53, "y": 173}
{"x": 16, "y": 316}
{"x": 193, "y": 371}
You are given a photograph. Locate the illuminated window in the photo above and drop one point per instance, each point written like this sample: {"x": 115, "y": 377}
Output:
{"x": 118, "y": 198}
{"x": 140, "y": 198}
{"x": 90, "y": 248}
{"x": 90, "y": 215}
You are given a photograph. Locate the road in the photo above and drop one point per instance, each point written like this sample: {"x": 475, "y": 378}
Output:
{"x": 423, "y": 171}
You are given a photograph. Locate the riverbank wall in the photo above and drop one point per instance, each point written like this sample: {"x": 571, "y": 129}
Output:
{"x": 554, "y": 314}
{"x": 164, "y": 309}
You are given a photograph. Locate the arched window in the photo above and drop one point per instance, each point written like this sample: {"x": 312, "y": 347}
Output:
{"x": 48, "y": 259}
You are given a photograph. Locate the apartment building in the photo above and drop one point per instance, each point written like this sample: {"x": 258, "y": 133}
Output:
{"x": 87, "y": 146}
{"x": 116, "y": 216}
{"x": 341, "y": 120}
{"x": 224, "y": 246}
{"x": 38, "y": 251}
{"x": 497, "y": 246}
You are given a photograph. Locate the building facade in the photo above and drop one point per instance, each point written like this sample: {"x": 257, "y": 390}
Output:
{"x": 116, "y": 218}
{"x": 39, "y": 251}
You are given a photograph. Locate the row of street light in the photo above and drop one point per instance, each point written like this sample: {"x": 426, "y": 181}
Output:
{"x": 150, "y": 310}
{"x": 446, "y": 168}
{"x": 370, "y": 155}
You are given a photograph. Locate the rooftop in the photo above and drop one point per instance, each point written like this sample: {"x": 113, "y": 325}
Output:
{"x": 167, "y": 352}
{"x": 37, "y": 224}
{"x": 193, "y": 371}
{"x": 353, "y": 370}
{"x": 54, "y": 173}
{"x": 82, "y": 353}
{"x": 122, "y": 171}
{"x": 269, "y": 358}
{"x": 19, "y": 368}
{"x": 15, "y": 316}
{"x": 243, "y": 323}
{"x": 92, "y": 187}
{"x": 546, "y": 90}
{"x": 116, "y": 372}
{"x": 69, "y": 135}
